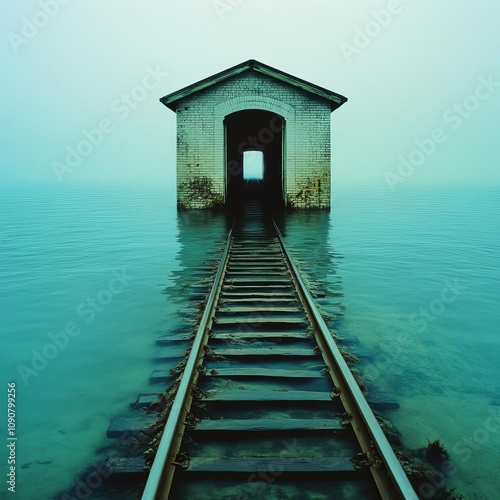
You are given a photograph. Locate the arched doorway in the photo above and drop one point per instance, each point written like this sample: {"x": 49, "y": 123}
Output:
{"x": 254, "y": 130}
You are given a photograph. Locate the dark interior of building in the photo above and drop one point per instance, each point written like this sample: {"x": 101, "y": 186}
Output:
{"x": 254, "y": 130}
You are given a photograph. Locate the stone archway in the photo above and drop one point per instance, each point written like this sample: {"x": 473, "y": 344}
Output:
{"x": 254, "y": 102}
{"x": 254, "y": 130}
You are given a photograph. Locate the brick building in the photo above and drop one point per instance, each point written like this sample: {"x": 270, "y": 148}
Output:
{"x": 253, "y": 107}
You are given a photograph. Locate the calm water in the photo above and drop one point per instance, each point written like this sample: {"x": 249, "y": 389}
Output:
{"x": 420, "y": 284}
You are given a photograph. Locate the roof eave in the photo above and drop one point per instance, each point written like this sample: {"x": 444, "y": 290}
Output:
{"x": 336, "y": 99}
{"x": 171, "y": 100}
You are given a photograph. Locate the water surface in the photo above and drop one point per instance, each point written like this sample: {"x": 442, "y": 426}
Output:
{"x": 413, "y": 275}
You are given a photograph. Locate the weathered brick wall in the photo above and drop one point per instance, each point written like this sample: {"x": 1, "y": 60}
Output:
{"x": 200, "y": 140}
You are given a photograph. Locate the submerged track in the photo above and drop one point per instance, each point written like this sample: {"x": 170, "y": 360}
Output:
{"x": 282, "y": 414}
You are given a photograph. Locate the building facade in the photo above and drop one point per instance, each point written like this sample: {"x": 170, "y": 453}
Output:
{"x": 253, "y": 107}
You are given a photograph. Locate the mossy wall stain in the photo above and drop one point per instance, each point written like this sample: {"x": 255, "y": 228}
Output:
{"x": 311, "y": 193}
{"x": 198, "y": 192}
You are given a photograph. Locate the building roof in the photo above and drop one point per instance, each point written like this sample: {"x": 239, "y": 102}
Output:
{"x": 336, "y": 100}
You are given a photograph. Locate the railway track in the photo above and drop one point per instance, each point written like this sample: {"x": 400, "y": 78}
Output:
{"x": 267, "y": 406}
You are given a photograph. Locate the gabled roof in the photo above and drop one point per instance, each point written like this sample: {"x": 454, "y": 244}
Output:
{"x": 335, "y": 99}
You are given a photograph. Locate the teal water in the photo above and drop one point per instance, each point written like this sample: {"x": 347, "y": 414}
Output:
{"x": 420, "y": 284}
{"x": 60, "y": 248}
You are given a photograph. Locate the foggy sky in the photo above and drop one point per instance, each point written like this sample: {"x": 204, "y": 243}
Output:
{"x": 422, "y": 78}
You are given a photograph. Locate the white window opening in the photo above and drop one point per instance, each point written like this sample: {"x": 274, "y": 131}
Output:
{"x": 253, "y": 165}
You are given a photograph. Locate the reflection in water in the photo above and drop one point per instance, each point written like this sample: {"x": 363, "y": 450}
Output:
{"x": 201, "y": 236}
{"x": 307, "y": 235}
